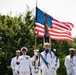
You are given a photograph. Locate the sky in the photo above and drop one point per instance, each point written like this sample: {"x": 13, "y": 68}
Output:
{"x": 62, "y": 10}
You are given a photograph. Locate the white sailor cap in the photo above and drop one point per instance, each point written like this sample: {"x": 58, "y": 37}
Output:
{"x": 46, "y": 43}
{"x": 54, "y": 49}
{"x": 24, "y": 49}
{"x": 36, "y": 50}
{"x": 18, "y": 51}
{"x": 71, "y": 49}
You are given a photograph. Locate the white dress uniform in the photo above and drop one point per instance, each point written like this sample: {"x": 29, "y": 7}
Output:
{"x": 25, "y": 65}
{"x": 70, "y": 64}
{"x": 48, "y": 57}
{"x": 55, "y": 65}
{"x": 35, "y": 65}
{"x": 14, "y": 66}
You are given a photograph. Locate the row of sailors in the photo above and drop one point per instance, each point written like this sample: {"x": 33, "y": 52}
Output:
{"x": 45, "y": 62}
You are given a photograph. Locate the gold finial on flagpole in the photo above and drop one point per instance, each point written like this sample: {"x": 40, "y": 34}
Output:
{"x": 34, "y": 29}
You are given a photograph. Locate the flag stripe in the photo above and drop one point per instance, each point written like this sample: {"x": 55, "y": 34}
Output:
{"x": 39, "y": 34}
{"x": 39, "y": 30}
{"x": 58, "y": 31}
{"x": 61, "y": 38}
{"x": 59, "y": 24}
{"x": 39, "y": 25}
{"x": 60, "y": 35}
{"x": 70, "y": 25}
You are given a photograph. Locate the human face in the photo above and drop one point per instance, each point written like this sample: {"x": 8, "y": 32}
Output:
{"x": 23, "y": 52}
{"x": 18, "y": 54}
{"x": 36, "y": 53}
{"x": 46, "y": 47}
{"x": 71, "y": 52}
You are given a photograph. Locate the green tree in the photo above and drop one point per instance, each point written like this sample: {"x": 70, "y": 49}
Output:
{"x": 15, "y": 32}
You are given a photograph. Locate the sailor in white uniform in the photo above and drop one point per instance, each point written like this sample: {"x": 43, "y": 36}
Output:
{"x": 70, "y": 62}
{"x": 14, "y": 63}
{"x": 46, "y": 60}
{"x": 36, "y": 63}
{"x": 56, "y": 63}
{"x": 25, "y": 64}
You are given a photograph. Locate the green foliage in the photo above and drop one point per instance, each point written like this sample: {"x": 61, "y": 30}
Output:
{"x": 16, "y": 32}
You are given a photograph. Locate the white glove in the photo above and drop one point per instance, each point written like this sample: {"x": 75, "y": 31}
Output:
{"x": 71, "y": 64}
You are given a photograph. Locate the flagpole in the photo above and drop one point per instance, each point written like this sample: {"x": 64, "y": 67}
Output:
{"x": 44, "y": 26}
{"x": 34, "y": 29}
{"x": 46, "y": 33}
{"x": 35, "y": 42}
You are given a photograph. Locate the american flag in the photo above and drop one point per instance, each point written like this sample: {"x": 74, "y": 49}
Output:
{"x": 39, "y": 25}
{"x": 57, "y": 30}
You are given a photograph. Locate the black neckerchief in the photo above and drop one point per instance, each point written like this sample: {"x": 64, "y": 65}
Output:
{"x": 46, "y": 51}
{"x": 72, "y": 55}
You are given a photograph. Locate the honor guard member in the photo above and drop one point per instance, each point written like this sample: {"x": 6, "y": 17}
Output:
{"x": 55, "y": 62}
{"x": 70, "y": 62}
{"x": 36, "y": 63}
{"x": 25, "y": 63}
{"x": 14, "y": 63}
{"x": 46, "y": 60}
